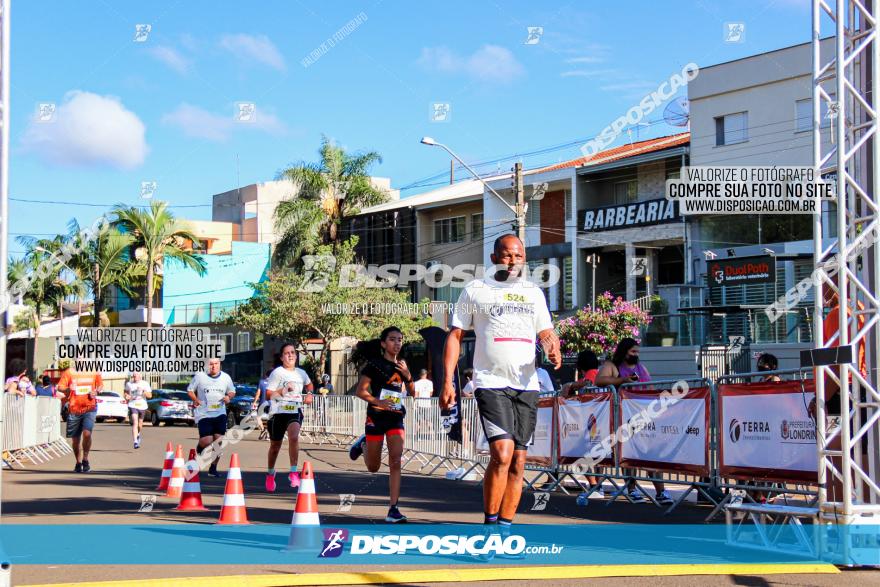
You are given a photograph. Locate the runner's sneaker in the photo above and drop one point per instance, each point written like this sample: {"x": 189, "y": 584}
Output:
{"x": 137, "y": 443}
{"x": 86, "y": 467}
{"x": 78, "y": 468}
{"x": 357, "y": 449}
{"x": 663, "y": 498}
{"x": 636, "y": 496}
{"x": 270, "y": 483}
{"x": 394, "y": 515}
{"x": 212, "y": 470}
{"x": 294, "y": 479}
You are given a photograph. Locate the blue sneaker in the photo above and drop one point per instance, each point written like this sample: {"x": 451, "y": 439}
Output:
{"x": 357, "y": 449}
{"x": 394, "y": 516}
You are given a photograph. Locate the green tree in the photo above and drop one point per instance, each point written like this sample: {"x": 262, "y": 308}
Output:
{"x": 158, "y": 236}
{"x": 37, "y": 278}
{"x": 101, "y": 260}
{"x": 329, "y": 191}
{"x": 296, "y": 306}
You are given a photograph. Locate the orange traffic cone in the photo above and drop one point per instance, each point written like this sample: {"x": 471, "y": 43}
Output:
{"x": 305, "y": 532}
{"x": 191, "y": 498}
{"x": 178, "y": 472}
{"x": 306, "y": 511}
{"x": 233, "y": 510}
{"x": 166, "y": 468}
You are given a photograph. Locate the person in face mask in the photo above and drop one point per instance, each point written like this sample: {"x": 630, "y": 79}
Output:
{"x": 624, "y": 367}
{"x": 768, "y": 362}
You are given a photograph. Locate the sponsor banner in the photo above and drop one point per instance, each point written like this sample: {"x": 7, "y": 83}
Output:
{"x": 648, "y": 212}
{"x": 539, "y": 452}
{"x": 766, "y": 432}
{"x": 675, "y": 438}
{"x": 584, "y": 422}
{"x": 742, "y": 270}
{"x": 443, "y": 544}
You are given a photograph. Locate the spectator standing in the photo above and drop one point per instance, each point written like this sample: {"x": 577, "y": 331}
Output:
{"x": 587, "y": 370}
{"x": 624, "y": 367}
{"x": 326, "y": 387}
{"x": 469, "y": 385}
{"x": 768, "y": 362}
{"x": 17, "y": 380}
{"x": 45, "y": 387}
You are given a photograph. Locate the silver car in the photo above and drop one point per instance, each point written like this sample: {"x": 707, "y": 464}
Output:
{"x": 168, "y": 406}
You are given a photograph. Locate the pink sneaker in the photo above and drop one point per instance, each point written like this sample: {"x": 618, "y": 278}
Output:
{"x": 294, "y": 479}
{"x": 270, "y": 483}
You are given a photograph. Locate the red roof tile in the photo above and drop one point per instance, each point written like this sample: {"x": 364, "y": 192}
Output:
{"x": 624, "y": 151}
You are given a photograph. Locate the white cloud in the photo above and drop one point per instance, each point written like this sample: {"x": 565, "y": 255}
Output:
{"x": 489, "y": 63}
{"x": 254, "y": 47}
{"x": 170, "y": 57}
{"x": 89, "y": 130}
{"x": 586, "y": 59}
{"x": 199, "y": 123}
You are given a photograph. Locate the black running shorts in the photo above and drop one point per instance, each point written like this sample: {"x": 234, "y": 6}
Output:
{"x": 278, "y": 424}
{"x": 508, "y": 414}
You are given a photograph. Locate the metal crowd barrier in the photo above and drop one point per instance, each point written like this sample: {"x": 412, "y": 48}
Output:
{"x": 32, "y": 430}
{"x": 428, "y": 448}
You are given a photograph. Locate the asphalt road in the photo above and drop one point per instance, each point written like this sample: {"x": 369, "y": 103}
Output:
{"x": 113, "y": 494}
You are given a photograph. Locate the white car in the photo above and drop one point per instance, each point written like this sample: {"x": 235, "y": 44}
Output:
{"x": 111, "y": 405}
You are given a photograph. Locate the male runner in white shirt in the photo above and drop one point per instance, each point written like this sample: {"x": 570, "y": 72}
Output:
{"x": 507, "y": 313}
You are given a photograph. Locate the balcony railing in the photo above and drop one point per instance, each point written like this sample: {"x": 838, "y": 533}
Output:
{"x": 211, "y": 313}
{"x": 796, "y": 326}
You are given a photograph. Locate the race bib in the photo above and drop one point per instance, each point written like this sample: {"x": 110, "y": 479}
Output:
{"x": 292, "y": 402}
{"x": 139, "y": 404}
{"x": 212, "y": 406}
{"x": 395, "y": 397}
{"x": 81, "y": 390}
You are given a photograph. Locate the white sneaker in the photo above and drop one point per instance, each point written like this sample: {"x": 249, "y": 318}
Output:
{"x": 636, "y": 496}
{"x": 663, "y": 498}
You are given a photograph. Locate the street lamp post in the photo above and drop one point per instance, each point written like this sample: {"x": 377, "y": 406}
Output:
{"x": 519, "y": 210}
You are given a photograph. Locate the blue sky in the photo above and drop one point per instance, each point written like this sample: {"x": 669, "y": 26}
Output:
{"x": 163, "y": 109}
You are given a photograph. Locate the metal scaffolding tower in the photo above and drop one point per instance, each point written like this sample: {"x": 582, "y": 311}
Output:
{"x": 845, "y": 79}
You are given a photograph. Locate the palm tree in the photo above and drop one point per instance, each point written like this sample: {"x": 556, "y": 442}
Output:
{"x": 103, "y": 261}
{"x": 158, "y": 235}
{"x": 43, "y": 288}
{"x": 337, "y": 187}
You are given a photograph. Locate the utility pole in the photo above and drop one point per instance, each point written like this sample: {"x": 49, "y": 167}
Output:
{"x": 451, "y": 171}
{"x": 520, "y": 202}
{"x": 593, "y": 260}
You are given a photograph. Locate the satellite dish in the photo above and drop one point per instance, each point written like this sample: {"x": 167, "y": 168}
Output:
{"x": 677, "y": 112}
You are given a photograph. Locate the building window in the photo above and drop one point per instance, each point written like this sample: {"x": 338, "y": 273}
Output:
{"x": 244, "y": 341}
{"x": 476, "y": 227}
{"x": 449, "y": 230}
{"x": 533, "y": 214}
{"x": 804, "y": 115}
{"x": 566, "y": 197}
{"x": 673, "y": 170}
{"x": 731, "y": 129}
{"x": 626, "y": 191}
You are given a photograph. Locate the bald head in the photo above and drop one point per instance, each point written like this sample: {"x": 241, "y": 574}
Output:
{"x": 509, "y": 257}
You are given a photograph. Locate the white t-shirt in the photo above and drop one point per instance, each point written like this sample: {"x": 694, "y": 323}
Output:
{"x": 210, "y": 391}
{"x": 291, "y": 383}
{"x": 545, "y": 383}
{"x": 423, "y": 388}
{"x": 506, "y": 317}
{"x": 137, "y": 392}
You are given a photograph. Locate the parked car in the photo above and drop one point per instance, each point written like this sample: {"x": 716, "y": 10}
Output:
{"x": 111, "y": 405}
{"x": 241, "y": 405}
{"x": 168, "y": 406}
